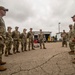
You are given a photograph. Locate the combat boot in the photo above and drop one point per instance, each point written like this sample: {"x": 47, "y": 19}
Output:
{"x": 44, "y": 46}
{"x": 2, "y": 63}
{"x": 33, "y": 49}
{"x": 2, "y": 68}
{"x": 40, "y": 47}
{"x": 73, "y": 61}
{"x": 71, "y": 52}
{"x": 18, "y": 51}
{"x": 14, "y": 51}
{"x": 6, "y": 53}
{"x": 22, "y": 49}
{"x": 25, "y": 49}
{"x": 9, "y": 52}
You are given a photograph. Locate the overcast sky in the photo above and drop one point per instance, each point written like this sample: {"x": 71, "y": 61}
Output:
{"x": 39, "y": 14}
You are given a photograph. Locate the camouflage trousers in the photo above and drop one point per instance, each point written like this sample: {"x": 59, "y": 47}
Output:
{"x": 1, "y": 49}
{"x": 15, "y": 46}
{"x": 8, "y": 47}
{"x": 23, "y": 45}
{"x": 64, "y": 43}
{"x": 31, "y": 42}
{"x": 72, "y": 46}
{"x": 42, "y": 43}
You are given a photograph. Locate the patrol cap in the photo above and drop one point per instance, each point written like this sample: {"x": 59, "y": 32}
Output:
{"x": 31, "y": 28}
{"x": 25, "y": 29}
{"x": 16, "y": 27}
{"x": 70, "y": 25}
{"x": 40, "y": 29}
{"x": 3, "y": 8}
{"x": 9, "y": 28}
{"x": 73, "y": 16}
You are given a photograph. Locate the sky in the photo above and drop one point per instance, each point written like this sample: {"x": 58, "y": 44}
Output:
{"x": 39, "y": 14}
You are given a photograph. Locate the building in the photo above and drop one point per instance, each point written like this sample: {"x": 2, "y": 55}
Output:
{"x": 58, "y": 36}
{"x": 46, "y": 33}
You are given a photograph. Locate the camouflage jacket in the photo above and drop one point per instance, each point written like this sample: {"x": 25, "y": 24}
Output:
{"x": 64, "y": 36}
{"x": 2, "y": 28}
{"x": 41, "y": 36}
{"x": 23, "y": 37}
{"x": 16, "y": 35}
{"x": 70, "y": 34}
{"x": 9, "y": 36}
{"x": 30, "y": 35}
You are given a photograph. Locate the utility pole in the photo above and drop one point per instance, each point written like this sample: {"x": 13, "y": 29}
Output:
{"x": 59, "y": 27}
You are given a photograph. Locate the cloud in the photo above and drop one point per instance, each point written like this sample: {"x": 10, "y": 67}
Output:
{"x": 44, "y": 14}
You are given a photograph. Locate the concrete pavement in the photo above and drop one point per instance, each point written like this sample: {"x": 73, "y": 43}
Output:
{"x": 54, "y": 60}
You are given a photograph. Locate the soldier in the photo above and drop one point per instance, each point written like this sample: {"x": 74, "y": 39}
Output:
{"x": 41, "y": 39}
{"x": 30, "y": 36}
{"x": 64, "y": 38}
{"x": 8, "y": 41}
{"x": 71, "y": 38}
{"x": 16, "y": 37}
{"x": 74, "y": 43}
{"x": 2, "y": 35}
{"x": 23, "y": 37}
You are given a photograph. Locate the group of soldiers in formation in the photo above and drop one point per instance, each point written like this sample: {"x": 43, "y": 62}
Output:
{"x": 7, "y": 39}
{"x": 15, "y": 38}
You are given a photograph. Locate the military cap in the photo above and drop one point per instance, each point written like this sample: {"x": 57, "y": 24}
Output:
{"x": 73, "y": 16}
{"x": 31, "y": 28}
{"x": 16, "y": 27}
{"x": 9, "y": 28}
{"x": 3, "y": 8}
{"x": 40, "y": 29}
{"x": 63, "y": 30}
{"x": 70, "y": 25}
{"x": 24, "y": 29}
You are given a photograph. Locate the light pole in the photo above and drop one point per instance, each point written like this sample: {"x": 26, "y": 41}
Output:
{"x": 59, "y": 27}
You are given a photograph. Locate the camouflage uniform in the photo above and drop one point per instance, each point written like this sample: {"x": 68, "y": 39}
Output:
{"x": 73, "y": 18}
{"x": 64, "y": 38}
{"x": 41, "y": 39}
{"x": 2, "y": 35}
{"x": 71, "y": 37}
{"x": 74, "y": 37}
{"x": 8, "y": 42}
{"x": 30, "y": 36}
{"x": 16, "y": 37}
{"x": 23, "y": 37}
